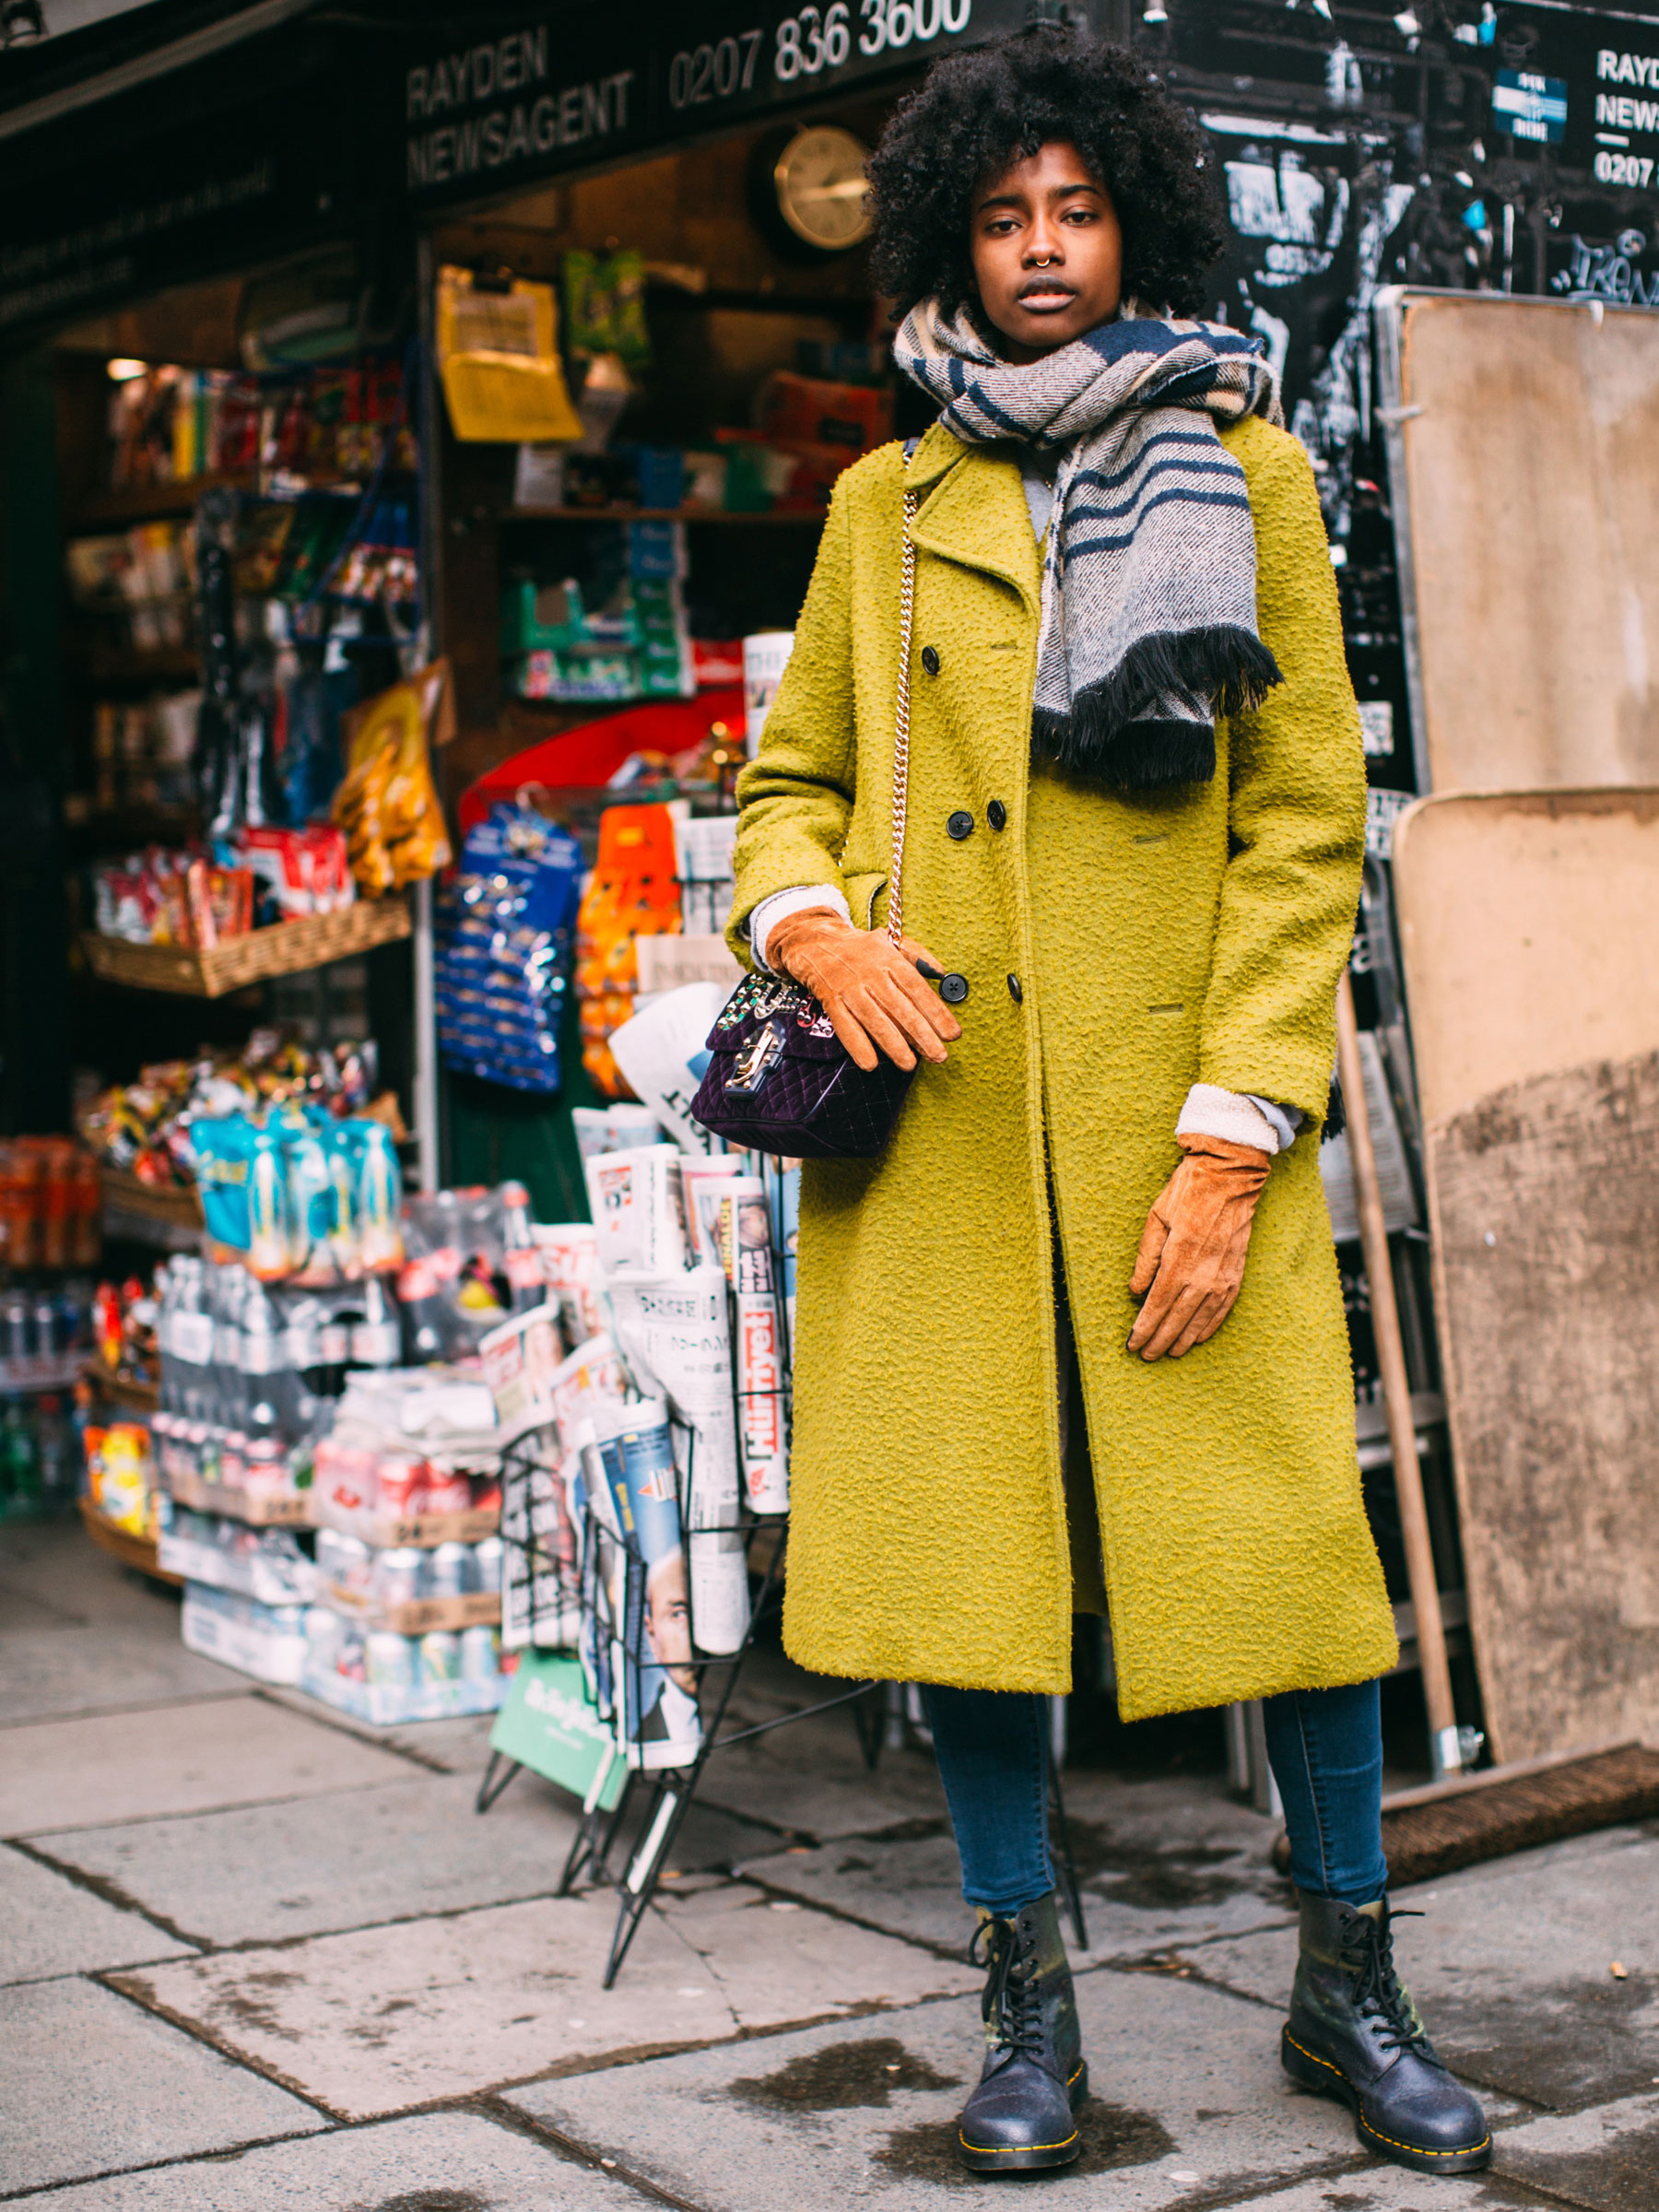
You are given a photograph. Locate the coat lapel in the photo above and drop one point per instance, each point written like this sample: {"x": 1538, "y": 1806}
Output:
{"x": 973, "y": 511}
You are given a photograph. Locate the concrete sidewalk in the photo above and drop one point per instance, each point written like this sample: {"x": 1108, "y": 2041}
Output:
{"x": 252, "y": 1956}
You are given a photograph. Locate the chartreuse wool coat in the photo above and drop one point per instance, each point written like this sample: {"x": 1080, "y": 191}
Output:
{"x": 1117, "y": 949}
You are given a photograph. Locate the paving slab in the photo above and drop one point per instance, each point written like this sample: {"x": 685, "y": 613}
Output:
{"x": 435, "y": 2162}
{"x": 1606, "y": 2159}
{"x": 51, "y": 1926}
{"x": 1511, "y": 1967}
{"x": 1188, "y": 2101}
{"x": 385, "y": 2018}
{"x": 401, "y": 1850}
{"x": 91, "y": 1771}
{"x": 51, "y": 1670}
{"x": 57, "y": 1565}
{"x": 913, "y": 1888}
{"x": 93, "y": 2083}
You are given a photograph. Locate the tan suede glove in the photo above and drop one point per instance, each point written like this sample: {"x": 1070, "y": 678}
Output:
{"x": 1191, "y": 1262}
{"x": 873, "y": 994}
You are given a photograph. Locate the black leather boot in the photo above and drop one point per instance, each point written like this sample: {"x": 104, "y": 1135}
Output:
{"x": 1354, "y": 2034}
{"x": 1020, "y": 2115}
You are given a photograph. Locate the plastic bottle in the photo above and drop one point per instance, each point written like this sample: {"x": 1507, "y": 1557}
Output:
{"x": 521, "y": 1253}
{"x": 266, "y": 1400}
{"x": 379, "y": 1197}
{"x": 376, "y": 1338}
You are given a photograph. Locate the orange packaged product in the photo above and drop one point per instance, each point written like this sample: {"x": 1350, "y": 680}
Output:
{"x": 633, "y": 892}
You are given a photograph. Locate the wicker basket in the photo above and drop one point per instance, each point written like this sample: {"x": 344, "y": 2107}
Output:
{"x": 173, "y": 1206}
{"x": 286, "y": 948}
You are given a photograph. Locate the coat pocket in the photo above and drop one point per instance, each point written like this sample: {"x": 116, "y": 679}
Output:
{"x": 862, "y": 890}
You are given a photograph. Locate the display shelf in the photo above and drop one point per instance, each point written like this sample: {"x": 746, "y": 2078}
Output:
{"x": 127, "y": 503}
{"x": 123, "y": 504}
{"x": 146, "y": 663}
{"x": 389, "y": 1704}
{"x": 416, "y": 1615}
{"x": 138, "y": 1552}
{"x": 24, "y": 1378}
{"x": 149, "y": 1214}
{"x": 660, "y": 514}
{"x": 390, "y": 1532}
{"x": 286, "y": 948}
{"x": 243, "y": 1575}
{"x": 278, "y": 1509}
{"x": 120, "y": 1391}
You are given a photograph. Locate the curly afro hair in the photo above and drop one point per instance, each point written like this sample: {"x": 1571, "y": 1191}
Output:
{"x": 984, "y": 107}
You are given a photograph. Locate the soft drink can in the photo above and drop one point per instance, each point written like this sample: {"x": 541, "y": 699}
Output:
{"x": 480, "y": 1655}
{"x": 447, "y": 1492}
{"x": 440, "y": 1656}
{"x": 389, "y": 1658}
{"x": 487, "y": 1564}
{"x": 401, "y": 1481}
{"x": 324, "y": 1633}
{"x": 451, "y": 1569}
{"x": 400, "y": 1577}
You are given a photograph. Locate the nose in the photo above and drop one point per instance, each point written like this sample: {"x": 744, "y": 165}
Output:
{"x": 1044, "y": 244}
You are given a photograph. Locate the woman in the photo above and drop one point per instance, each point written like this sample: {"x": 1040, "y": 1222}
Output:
{"x": 1034, "y": 1373}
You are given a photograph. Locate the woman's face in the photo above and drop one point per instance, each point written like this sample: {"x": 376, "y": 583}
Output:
{"x": 1048, "y": 251}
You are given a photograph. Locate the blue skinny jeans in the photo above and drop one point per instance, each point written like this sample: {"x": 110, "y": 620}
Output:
{"x": 1325, "y": 1747}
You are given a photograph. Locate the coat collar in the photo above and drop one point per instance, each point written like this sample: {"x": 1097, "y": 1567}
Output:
{"x": 973, "y": 511}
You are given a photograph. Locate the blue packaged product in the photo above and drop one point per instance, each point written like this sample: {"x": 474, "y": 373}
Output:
{"x": 505, "y": 925}
{"x": 223, "y": 1153}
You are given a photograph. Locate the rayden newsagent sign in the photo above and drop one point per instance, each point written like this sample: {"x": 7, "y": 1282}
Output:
{"x": 566, "y": 89}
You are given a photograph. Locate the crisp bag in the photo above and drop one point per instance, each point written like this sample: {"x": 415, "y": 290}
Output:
{"x": 388, "y": 803}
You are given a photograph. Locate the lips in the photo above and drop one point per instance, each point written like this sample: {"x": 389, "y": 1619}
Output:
{"x": 1046, "y": 293}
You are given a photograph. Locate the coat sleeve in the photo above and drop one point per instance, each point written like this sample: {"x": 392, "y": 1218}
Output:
{"x": 1296, "y": 816}
{"x": 795, "y": 797}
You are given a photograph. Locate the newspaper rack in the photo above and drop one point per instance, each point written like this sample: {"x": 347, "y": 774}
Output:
{"x": 587, "y": 1586}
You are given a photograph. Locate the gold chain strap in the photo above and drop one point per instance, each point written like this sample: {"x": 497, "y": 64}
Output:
{"x": 907, "y": 598}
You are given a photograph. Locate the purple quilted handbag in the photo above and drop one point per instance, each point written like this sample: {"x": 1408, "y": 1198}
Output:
{"x": 780, "y": 1079}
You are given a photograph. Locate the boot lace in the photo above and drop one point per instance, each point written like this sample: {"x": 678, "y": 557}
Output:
{"x": 1368, "y": 1955}
{"x": 1011, "y": 2006}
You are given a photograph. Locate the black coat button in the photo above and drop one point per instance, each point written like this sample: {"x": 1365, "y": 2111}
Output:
{"x": 1015, "y": 992}
{"x": 996, "y": 814}
{"x": 961, "y": 824}
{"x": 930, "y": 659}
{"x": 953, "y": 990}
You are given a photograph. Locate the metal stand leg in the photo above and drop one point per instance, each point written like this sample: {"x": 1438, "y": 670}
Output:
{"x": 869, "y": 1714}
{"x": 1060, "y": 1830}
{"x": 489, "y": 1789}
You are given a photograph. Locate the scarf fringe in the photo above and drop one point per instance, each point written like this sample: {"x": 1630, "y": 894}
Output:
{"x": 1103, "y": 735}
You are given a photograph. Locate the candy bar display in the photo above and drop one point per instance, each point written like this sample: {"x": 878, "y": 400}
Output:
{"x": 170, "y": 424}
{"x": 618, "y": 631}
{"x": 144, "y": 1128}
{"x": 202, "y": 896}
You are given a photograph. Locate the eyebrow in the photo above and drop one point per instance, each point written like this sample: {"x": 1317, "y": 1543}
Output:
{"x": 1016, "y": 199}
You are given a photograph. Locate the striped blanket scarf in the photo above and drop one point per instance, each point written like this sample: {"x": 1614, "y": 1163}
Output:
{"x": 1149, "y": 577}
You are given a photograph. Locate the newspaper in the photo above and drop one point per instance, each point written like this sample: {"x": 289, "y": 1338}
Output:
{"x": 675, "y": 1337}
{"x": 540, "y": 1558}
{"x": 703, "y": 1181}
{"x": 570, "y": 1258}
{"x": 747, "y": 1256}
{"x": 657, "y": 1715}
{"x": 663, "y": 1052}
{"x": 638, "y": 1211}
{"x": 520, "y": 1359}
